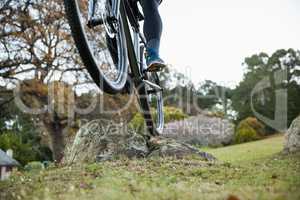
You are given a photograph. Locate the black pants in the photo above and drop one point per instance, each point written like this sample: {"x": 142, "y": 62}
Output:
{"x": 152, "y": 28}
{"x": 152, "y": 23}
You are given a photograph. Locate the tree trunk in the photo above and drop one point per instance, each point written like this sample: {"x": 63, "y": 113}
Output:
{"x": 56, "y": 131}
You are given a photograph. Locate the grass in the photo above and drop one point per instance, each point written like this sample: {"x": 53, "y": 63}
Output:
{"x": 249, "y": 151}
{"x": 248, "y": 171}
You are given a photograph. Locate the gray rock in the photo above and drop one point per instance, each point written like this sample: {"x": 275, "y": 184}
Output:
{"x": 292, "y": 143}
{"x": 101, "y": 140}
{"x": 165, "y": 147}
{"x": 201, "y": 130}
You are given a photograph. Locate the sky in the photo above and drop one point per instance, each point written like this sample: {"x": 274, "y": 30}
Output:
{"x": 209, "y": 39}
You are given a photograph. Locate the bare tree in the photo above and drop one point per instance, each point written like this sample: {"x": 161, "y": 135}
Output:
{"x": 36, "y": 49}
{"x": 36, "y": 44}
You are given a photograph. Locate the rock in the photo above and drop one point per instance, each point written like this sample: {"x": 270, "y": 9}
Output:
{"x": 292, "y": 143}
{"x": 164, "y": 147}
{"x": 101, "y": 140}
{"x": 201, "y": 130}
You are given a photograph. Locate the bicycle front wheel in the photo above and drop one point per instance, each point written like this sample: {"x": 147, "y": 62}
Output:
{"x": 151, "y": 103}
{"x": 102, "y": 46}
{"x": 148, "y": 90}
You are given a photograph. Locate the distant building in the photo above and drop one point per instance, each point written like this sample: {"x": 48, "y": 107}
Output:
{"x": 7, "y": 164}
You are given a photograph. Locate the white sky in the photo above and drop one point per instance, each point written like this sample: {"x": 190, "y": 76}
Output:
{"x": 209, "y": 39}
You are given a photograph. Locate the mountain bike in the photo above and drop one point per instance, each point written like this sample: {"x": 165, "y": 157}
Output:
{"x": 109, "y": 40}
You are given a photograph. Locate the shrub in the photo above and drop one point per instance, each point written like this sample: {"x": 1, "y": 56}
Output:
{"x": 22, "y": 152}
{"x": 137, "y": 123}
{"x": 173, "y": 114}
{"x": 249, "y": 129}
{"x": 256, "y": 125}
{"x": 170, "y": 114}
{"x": 34, "y": 166}
{"x": 245, "y": 134}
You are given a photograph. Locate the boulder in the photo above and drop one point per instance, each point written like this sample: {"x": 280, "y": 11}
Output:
{"x": 292, "y": 143}
{"x": 102, "y": 140}
{"x": 165, "y": 147}
{"x": 201, "y": 130}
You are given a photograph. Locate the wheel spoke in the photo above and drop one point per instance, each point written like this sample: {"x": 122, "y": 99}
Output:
{"x": 103, "y": 54}
{"x": 91, "y": 11}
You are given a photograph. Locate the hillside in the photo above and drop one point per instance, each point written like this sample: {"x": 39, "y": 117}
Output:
{"x": 248, "y": 171}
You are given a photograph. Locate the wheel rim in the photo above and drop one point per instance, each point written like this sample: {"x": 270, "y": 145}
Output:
{"x": 153, "y": 112}
{"x": 156, "y": 102}
{"x": 108, "y": 50}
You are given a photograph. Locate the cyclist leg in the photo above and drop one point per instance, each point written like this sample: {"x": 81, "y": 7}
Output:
{"x": 152, "y": 31}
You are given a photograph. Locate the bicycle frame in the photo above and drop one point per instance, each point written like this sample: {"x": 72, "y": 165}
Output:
{"x": 116, "y": 8}
{"x": 138, "y": 68}
{"x": 138, "y": 37}
{"x": 116, "y": 13}
{"x": 136, "y": 43}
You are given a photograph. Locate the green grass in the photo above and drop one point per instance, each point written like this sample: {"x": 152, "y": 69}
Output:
{"x": 249, "y": 151}
{"x": 249, "y": 171}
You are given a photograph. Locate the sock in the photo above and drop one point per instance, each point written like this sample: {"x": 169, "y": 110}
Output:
{"x": 154, "y": 44}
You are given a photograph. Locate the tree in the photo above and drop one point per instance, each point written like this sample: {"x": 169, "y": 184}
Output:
{"x": 35, "y": 41}
{"x": 281, "y": 71}
{"x": 180, "y": 91}
{"x": 18, "y": 132}
{"x": 208, "y": 93}
{"x": 36, "y": 44}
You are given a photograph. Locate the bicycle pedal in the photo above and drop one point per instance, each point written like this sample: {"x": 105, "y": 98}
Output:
{"x": 153, "y": 69}
{"x": 156, "y": 67}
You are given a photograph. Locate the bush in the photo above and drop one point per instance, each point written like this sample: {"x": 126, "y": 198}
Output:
{"x": 173, "y": 114}
{"x": 34, "y": 166}
{"x": 22, "y": 152}
{"x": 170, "y": 114}
{"x": 256, "y": 125}
{"x": 249, "y": 129}
{"x": 137, "y": 123}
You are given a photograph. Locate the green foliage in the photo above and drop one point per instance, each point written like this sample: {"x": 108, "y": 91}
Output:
{"x": 180, "y": 91}
{"x": 245, "y": 134}
{"x": 262, "y": 66}
{"x": 34, "y": 166}
{"x": 248, "y": 130}
{"x": 19, "y": 134}
{"x": 170, "y": 114}
{"x": 137, "y": 123}
{"x": 207, "y": 94}
{"x": 22, "y": 152}
{"x": 173, "y": 114}
{"x": 256, "y": 125}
